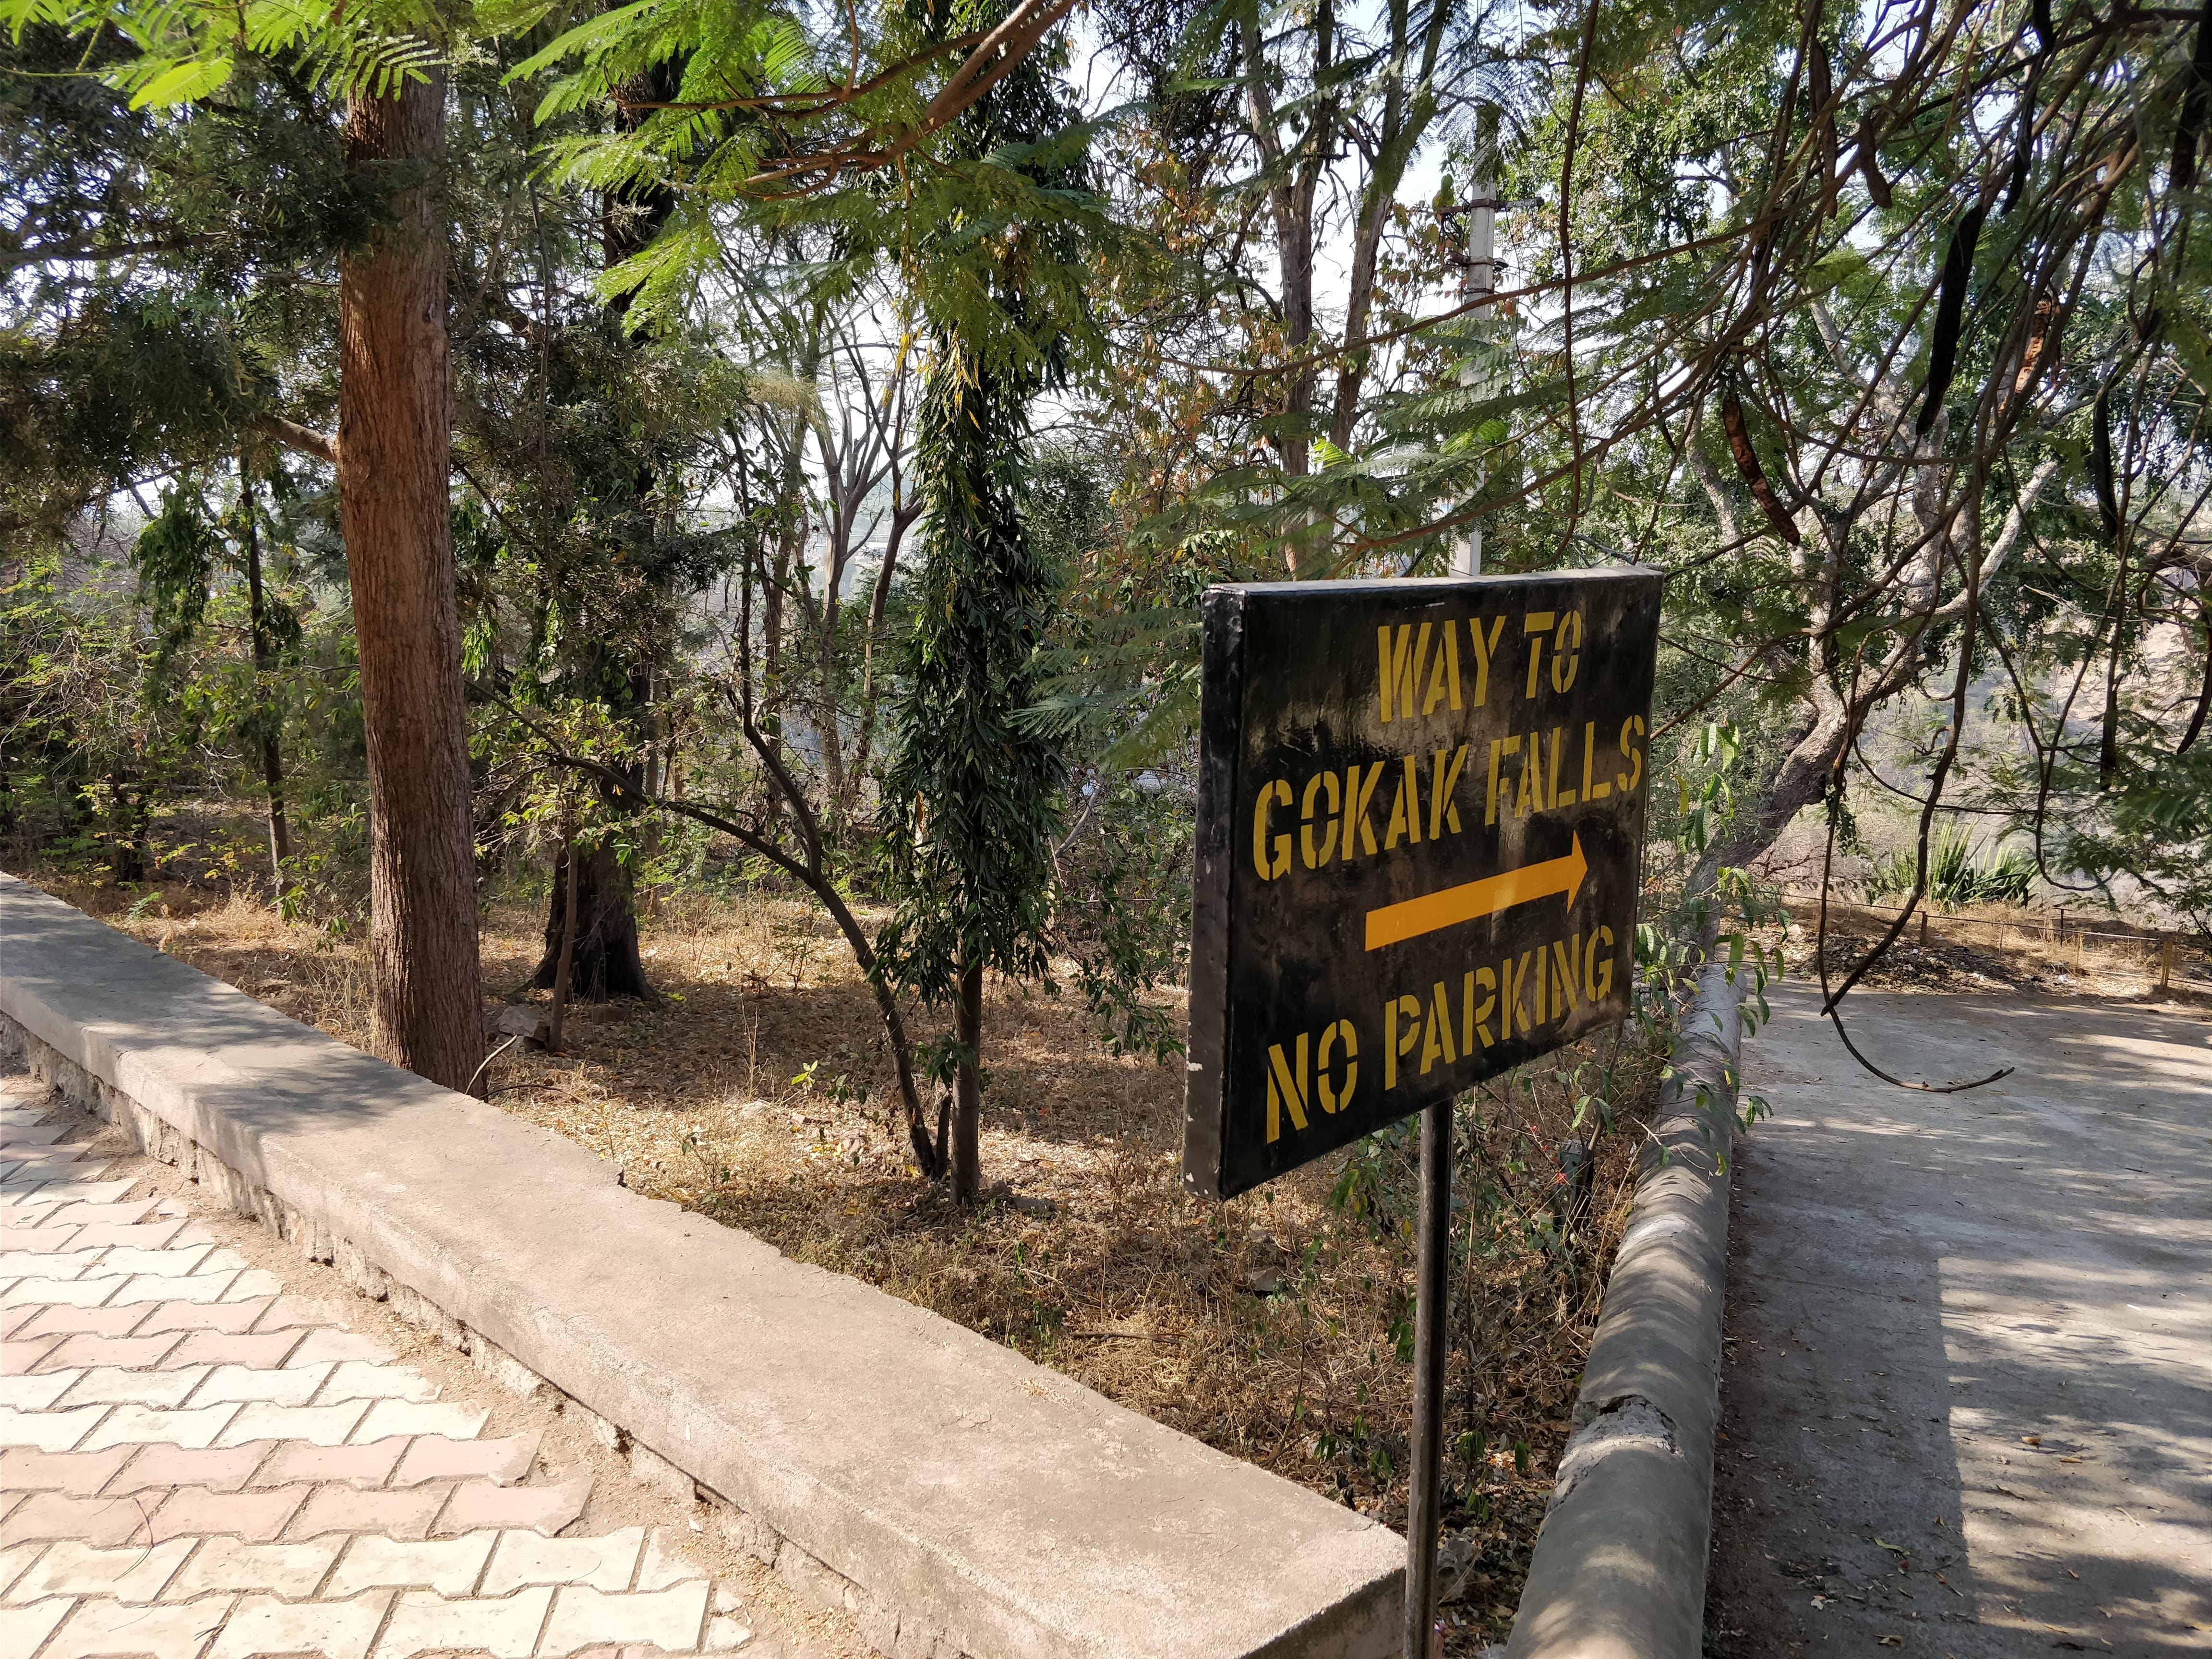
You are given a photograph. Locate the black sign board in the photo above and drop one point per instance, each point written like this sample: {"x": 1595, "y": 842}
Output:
{"x": 1420, "y": 824}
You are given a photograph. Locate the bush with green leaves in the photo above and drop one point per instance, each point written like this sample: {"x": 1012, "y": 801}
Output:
{"x": 1956, "y": 878}
{"x": 1123, "y": 909}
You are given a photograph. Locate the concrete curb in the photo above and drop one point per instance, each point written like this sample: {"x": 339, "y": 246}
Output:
{"x": 956, "y": 1498}
{"x": 1619, "y": 1567}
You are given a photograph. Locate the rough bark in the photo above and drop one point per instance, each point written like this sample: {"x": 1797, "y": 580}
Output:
{"x": 273, "y": 760}
{"x": 1291, "y": 199}
{"x": 395, "y": 422}
{"x": 607, "y": 962}
{"x": 1408, "y": 111}
{"x": 293, "y": 435}
{"x": 967, "y": 1150}
{"x": 564, "y": 968}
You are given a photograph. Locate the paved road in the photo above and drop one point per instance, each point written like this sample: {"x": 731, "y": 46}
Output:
{"x": 199, "y": 1461}
{"x": 1967, "y": 1399}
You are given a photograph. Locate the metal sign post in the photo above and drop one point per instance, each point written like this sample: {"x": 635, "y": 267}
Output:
{"x": 1424, "y": 1479}
{"x": 1420, "y": 812}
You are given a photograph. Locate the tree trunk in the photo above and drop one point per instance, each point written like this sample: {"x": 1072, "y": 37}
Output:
{"x": 968, "y": 1089}
{"x": 878, "y": 599}
{"x": 1803, "y": 777}
{"x": 272, "y": 761}
{"x": 280, "y": 832}
{"x": 395, "y": 424}
{"x": 1406, "y": 112}
{"x": 599, "y": 891}
{"x": 789, "y": 544}
{"x": 833, "y": 744}
{"x": 565, "y": 970}
{"x": 2108, "y": 743}
{"x": 611, "y": 965}
{"x": 127, "y": 821}
{"x": 607, "y": 960}
{"x": 1292, "y": 200}
{"x": 771, "y": 688}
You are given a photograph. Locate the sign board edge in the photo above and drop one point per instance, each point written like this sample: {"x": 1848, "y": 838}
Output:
{"x": 1221, "y": 696}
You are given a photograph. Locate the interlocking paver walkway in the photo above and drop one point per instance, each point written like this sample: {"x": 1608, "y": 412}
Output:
{"x": 196, "y": 1465}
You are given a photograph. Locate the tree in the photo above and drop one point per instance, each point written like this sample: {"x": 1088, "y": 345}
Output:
{"x": 742, "y": 110}
{"x": 1884, "y": 371}
{"x": 177, "y": 555}
{"x": 590, "y": 923}
{"x": 1853, "y": 322}
{"x": 395, "y": 422}
{"x": 267, "y": 625}
{"x": 971, "y": 796}
{"x": 1275, "y": 142}
{"x": 977, "y": 194}
{"x": 864, "y": 444}
{"x": 1886, "y": 337}
{"x": 162, "y": 273}
{"x": 973, "y": 788}
{"x": 390, "y": 455}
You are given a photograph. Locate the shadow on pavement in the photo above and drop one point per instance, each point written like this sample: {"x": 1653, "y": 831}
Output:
{"x": 1965, "y": 1392}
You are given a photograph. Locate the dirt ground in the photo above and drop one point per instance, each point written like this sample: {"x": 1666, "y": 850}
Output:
{"x": 1277, "y": 1327}
{"x": 1999, "y": 947}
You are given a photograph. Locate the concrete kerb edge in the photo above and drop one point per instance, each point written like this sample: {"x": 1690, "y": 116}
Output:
{"x": 159, "y": 1140}
{"x": 227, "y": 1156}
{"x": 1619, "y": 1571}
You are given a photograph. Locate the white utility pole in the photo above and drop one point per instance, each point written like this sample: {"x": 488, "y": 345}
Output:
{"x": 1478, "y": 281}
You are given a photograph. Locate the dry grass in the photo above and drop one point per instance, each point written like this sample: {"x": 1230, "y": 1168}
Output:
{"x": 1275, "y": 1327}
{"x": 1991, "y": 947}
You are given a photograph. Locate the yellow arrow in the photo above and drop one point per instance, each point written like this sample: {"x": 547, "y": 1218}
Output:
{"x": 1393, "y": 924}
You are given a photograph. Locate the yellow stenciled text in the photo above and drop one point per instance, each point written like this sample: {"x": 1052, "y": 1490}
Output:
{"x": 1520, "y": 996}
{"x": 1337, "y": 811}
{"x": 1418, "y": 664}
{"x": 1294, "y": 1086}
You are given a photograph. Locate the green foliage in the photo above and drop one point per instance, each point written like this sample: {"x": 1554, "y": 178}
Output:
{"x": 544, "y": 806}
{"x": 186, "y": 50}
{"x": 818, "y": 128}
{"x": 2157, "y": 832}
{"x": 971, "y": 793}
{"x": 133, "y": 712}
{"x": 1955, "y": 877}
{"x": 1124, "y": 890}
{"x": 667, "y": 218}
{"x": 175, "y": 556}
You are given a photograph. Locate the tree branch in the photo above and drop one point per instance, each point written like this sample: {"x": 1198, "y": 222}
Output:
{"x": 293, "y": 435}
